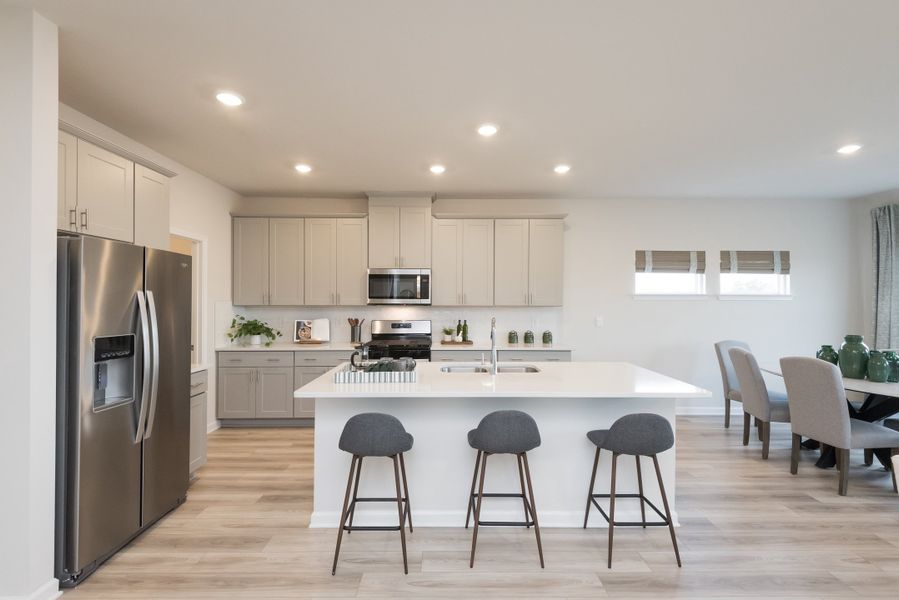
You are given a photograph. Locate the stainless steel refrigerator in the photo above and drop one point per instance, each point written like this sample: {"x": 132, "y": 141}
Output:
{"x": 123, "y": 395}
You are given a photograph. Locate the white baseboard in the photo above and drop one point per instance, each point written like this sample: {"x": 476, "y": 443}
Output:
{"x": 210, "y": 427}
{"x": 48, "y": 591}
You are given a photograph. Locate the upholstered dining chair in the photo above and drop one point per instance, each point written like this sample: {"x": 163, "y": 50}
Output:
{"x": 818, "y": 410}
{"x": 758, "y": 402}
{"x": 728, "y": 375}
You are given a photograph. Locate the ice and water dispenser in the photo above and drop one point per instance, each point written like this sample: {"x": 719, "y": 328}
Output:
{"x": 113, "y": 370}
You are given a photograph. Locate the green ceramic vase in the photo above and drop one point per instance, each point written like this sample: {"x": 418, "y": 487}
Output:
{"x": 829, "y": 354}
{"x": 878, "y": 367}
{"x": 893, "y": 359}
{"x": 854, "y": 357}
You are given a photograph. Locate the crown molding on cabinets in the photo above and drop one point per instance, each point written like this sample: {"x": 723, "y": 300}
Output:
{"x": 114, "y": 148}
{"x": 298, "y": 215}
{"x": 449, "y": 215}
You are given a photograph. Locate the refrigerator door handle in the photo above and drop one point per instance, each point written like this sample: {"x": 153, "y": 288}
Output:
{"x": 147, "y": 366}
{"x": 154, "y": 390}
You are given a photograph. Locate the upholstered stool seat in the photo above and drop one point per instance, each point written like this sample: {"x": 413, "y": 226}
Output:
{"x": 504, "y": 432}
{"x": 636, "y": 435}
{"x": 375, "y": 435}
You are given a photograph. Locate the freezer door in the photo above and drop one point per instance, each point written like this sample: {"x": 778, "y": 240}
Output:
{"x": 167, "y": 433}
{"x": 99, "y": 399}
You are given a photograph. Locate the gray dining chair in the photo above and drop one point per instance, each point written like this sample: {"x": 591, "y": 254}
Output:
{"x": 728, "y": 375}
{"x": 818, "y": 410}
{"x": 758, "y": 402}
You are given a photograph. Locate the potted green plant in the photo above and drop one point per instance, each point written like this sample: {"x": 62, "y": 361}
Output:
{"x": 241, "y": 327}
{"x": 448, "y": 333}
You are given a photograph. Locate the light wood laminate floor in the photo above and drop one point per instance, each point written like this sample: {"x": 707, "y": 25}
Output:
{"x": 748, "y": 529}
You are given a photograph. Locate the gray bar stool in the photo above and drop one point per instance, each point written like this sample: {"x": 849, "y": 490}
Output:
{"x": 504, "y": 432}
{"x": 375, "y": 434}
{"x": 638, "y": 435}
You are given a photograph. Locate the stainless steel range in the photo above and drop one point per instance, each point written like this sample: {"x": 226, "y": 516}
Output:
{"x": 396, "y": 339}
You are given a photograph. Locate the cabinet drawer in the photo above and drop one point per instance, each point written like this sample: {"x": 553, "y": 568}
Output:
{"x": 535, "y": 355}
{"x": 458, "y": 355}
{"x": 259, "y": 358}
{"x": 197, "y": 383}
{"x": 320, "y": 358}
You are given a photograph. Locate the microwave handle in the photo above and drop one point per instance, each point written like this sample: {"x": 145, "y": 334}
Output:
{"x": 418, "y": 287}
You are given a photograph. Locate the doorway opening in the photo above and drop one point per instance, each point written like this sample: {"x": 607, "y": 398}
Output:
{"x": 195, "y": 247}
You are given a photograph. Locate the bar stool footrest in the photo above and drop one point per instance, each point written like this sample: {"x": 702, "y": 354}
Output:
{"x": 663, "y": 523}
{"x": 352, "y": 506}
{"x": 522, "y": 497}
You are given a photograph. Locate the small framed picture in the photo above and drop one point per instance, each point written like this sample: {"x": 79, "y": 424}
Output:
{"x": 302, "y": 330}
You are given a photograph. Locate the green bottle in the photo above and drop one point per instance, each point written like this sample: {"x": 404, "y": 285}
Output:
{"x": 465, "y": 331}
{"x": 459, "y": 327}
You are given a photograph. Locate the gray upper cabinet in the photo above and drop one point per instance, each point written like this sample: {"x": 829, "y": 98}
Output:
{"x": 274, "y": 393}
{"x": 511, "y": 262}
{"x": 352, "y": 257}
{"x": 105, "y": 193}
{"x": 463, "y": 262}
{"x": 528, "y": 262}
{"x": 321, "y": 261}
{"x": 67, "y": 182}
{"x": 399, "y": 233}
{"x": 286, "y": 261}
{"x": 151, "y": 208}
{"x": 250, "y": 262}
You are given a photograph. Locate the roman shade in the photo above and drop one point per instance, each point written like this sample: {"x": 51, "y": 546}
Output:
{"x": 755, "y": 261}
{"x": 670, "y": 261}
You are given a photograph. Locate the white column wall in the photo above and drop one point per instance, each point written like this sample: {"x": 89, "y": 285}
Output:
{"x": 28, "y": 149}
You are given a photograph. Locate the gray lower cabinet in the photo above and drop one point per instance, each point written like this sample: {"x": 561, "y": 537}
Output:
{"x": 274, "y": 393}
{"x": 197, "y": 420}
{"x": 236, "y": 393}
{"x": 304, "y": 408}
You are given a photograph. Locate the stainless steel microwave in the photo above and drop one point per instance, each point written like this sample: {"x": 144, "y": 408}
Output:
{"x": 399, "y": 286}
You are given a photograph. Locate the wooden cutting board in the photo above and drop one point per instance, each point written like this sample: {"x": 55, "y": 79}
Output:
{"x": 468, "y": 343}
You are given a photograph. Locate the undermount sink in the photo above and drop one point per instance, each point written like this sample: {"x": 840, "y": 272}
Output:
{"x": 485, "y": 369}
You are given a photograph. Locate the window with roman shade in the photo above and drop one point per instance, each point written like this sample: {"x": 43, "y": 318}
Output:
{"x": 755, "y": 272}
{"x": 669, "y": 272}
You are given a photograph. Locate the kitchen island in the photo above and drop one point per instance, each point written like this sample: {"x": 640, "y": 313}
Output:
{"x": 565, "y": 399}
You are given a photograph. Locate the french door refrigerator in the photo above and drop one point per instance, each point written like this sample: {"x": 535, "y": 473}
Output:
{"x": 123, "y": 396}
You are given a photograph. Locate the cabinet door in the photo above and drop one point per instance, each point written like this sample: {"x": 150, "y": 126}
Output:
{"x": 446, "y": 263}
{"x": 545, "y": 262}
{"x": 383, "y": 237}
{"x": 415, "y": 237}
{"x": 197, "y": 431}
{"x": 477, "y": 262}
{"x": 285, "y": 261}
{"x": 249, "y": 278}
{"x": 304, "y": 408}
{"x": 511, "y": 262}
{"x": 105, "y": 193}
{"x": 321, "y": 261}
{"x": 151, "y": 208}
{"x": 67, "y": 182}
{"x": 274, "y": 393}
{"x": 352, "y": 262}
{"x": 236, "y": 393}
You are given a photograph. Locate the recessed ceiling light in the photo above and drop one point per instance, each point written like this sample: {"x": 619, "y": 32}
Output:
{"x": 437, "y": 169}
{"x": 229, "y": 98}
{"x": 303, "y": 168}
{"x": 561, "y": 169}
{"x": 487, "y": 129}
{"x": 849, "y": 149}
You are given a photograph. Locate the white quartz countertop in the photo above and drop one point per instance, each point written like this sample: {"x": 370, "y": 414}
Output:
{"x": 290, "y": 347}
{"x": 196, "y": 368}
{"x": 555, "y": 380}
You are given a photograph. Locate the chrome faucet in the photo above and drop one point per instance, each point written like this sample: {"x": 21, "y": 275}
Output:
{"x": 493, "y": 346}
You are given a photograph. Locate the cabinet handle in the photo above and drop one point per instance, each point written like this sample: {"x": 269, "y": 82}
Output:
{"x": 73, "y": 222}
{"x": 516, "y": 359}
{"x": 272, "y": 360}
{"x": 84, "y": 219}
{"x": 310, "y": 359}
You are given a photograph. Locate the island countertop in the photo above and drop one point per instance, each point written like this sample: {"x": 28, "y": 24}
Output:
{"x": 554, "y": 380}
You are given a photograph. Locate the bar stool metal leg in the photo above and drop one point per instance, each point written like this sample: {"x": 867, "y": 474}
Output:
{"x": 612, "y": 505}
{"x": 477, "y": 510}
{"x": 408, "y": 514}
{"x": 355, "y": 493}
{"x": 527, "y": 474}
{"x": 343, "y": 514}
{"x": 399, "y": 512}
{"x": 640, "y": 488}
{"x": 655, "y": 461}
{"x": 590, "y": 491}
{"x": 474, "y": 480}
{"x": 524, "y": 501}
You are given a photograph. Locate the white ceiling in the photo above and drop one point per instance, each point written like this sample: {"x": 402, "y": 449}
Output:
{"x": 644, "y": 98}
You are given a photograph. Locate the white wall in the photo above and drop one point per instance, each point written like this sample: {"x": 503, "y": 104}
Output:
{"x": 672, "y": 336}
{"x": 28, "y": 146}
{"x": 199, "y": 206}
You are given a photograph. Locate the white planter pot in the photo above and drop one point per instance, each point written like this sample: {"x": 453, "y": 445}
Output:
{"x": 447, "y": 338}
{"x": 255, "y": 340}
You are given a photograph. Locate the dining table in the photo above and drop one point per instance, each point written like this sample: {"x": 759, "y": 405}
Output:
{"x": 881, "y": 401}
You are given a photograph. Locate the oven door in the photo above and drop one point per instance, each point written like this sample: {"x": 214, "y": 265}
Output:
{"x": 399, "y": 286}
